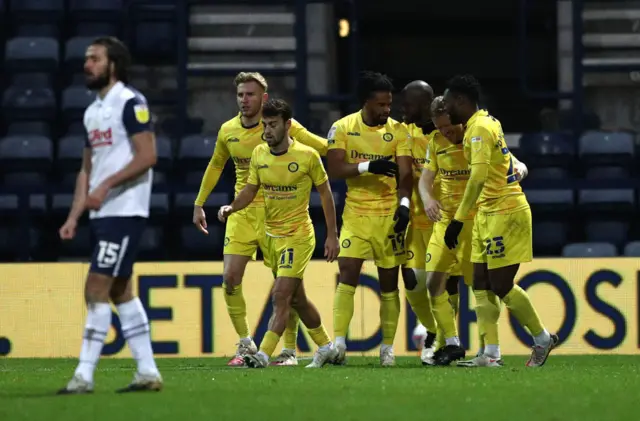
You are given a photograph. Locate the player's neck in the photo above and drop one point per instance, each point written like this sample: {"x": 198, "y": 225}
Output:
{"x": 282, "y": 147}
{"x": 250, "y": 122}
{"x": 368, "y": 120}
{"x": 469, "y": 114}
{"x": 104, "y": 91}
{"x": 426, "y": 125}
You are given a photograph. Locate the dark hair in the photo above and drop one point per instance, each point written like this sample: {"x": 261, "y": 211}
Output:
{"x": 118, "y": 54}
{"x": 371, "y": 82}
{"x": 277, "y": 108}
{"x": 466, "y": 85}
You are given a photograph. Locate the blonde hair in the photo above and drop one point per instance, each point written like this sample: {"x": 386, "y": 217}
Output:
{"x": 437, "y": 107}
{"x": 244, "y": 77}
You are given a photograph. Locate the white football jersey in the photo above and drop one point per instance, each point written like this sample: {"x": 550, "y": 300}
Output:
{"x": 110, "y": 123}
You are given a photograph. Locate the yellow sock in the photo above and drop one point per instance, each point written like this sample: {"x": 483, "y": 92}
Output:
{"x": 290, "y": 335}
{"x": 421, "y": 305}
{"x": 237, "y": 309}
{"x": 440, "y": 340}
{"x": 518, "y": 302}
{"x": 443, "y": 313}
{"x": 269, "y": 342}
{"x": 487, "y": 313}
{"x": 319, "y": 335}
{"x": 389, "y": 315}
{"x": 454, "y": 300}
{"x": 342, "y": 309}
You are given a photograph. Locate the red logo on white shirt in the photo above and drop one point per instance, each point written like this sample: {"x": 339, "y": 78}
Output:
{"x": 100, "y": 138}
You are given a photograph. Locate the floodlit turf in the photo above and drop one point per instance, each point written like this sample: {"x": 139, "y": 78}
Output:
{"x": 568, "y": 388}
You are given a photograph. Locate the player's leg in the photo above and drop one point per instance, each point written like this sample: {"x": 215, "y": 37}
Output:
{"x": 415, "y": 283}
{"x": 454, "y": 300}
{"x": 510, "y": 243}
{"x": 354, "y": 249}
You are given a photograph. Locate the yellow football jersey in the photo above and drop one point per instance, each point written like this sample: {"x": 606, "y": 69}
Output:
{"x": 419, "y": 142}
{"x": 286, "y": 181}
{"x": 484, "y": 143}
{"x": 448, "y": 161}
{"x": 370, "y": 194}
{"x": 237, "y": 142}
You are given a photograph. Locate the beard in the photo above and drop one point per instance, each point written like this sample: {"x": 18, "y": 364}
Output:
{"x": 99, "y": 82}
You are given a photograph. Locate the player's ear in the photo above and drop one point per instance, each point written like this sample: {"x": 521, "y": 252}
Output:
{"x": 287, "y": 124}
{"x": 265, "y": 97}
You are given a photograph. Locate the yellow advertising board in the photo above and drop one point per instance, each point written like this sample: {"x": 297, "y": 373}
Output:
{"x": 592, "y": 303}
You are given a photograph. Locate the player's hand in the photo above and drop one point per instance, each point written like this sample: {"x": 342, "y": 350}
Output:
{"x": 452, "y": 233}
{"x": 383, "y": 167}
{"x": 520, "y": 171}
{"x": 402, "y": 219}
{"x": 68, "y": 230}
{"x": 96, "y": 197}
{"x": 200, "y": 219}
{"x": 224, "y": 213}
{"x": 432, "y": 209}
{"x": 331, "y": 248}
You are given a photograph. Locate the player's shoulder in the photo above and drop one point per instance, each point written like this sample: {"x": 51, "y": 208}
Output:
{"x": 296, "y": 126}
{"x": 231, "y": 124}
{"x": 260, "y": 151}
{"x": 347, "y": 121}
{"x": 301, "y": 149}
{"x": 130, "y": 95}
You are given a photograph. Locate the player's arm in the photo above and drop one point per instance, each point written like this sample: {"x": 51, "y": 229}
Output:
{"x": 82, "y": 186}
{"x": 339, "y": 168}
{"x": 247, "y": 194}
{"x": 137, "y": 122}
{"x": 214, "y": 169}
{"x": 321, "y": 181}
{"x": 304, "y": 136}
{"x": 520, "y": 168}
{"x": 481, "y": 144}
{"x": 404, "y": 159}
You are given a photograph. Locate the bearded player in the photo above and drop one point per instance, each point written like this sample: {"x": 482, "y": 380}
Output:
{"x": 286, "y": 170}
{"x": 369, "y": 149}
{"x": 244, "y": 233}
{"x": 502, "y": 228}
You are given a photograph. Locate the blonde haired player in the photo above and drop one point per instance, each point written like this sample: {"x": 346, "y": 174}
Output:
{"x": 244, "y": 233}
{"x": 286, "y": 170}
{"x": 502, "y": 229}
{"x": 369, "y": 149}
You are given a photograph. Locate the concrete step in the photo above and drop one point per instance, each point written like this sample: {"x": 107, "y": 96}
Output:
{"x": 239, "y": 9}
{"x": 236, "y": 31}
{"x": 607, "y": 13}
{"x": 611, "y": 40}
{"x": 242, "y": 44}
{"x": 242, "y": 65}
{"x": 242, "y": 19}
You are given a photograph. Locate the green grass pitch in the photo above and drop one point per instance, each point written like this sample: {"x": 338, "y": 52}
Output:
{"x": 583, "y": 388}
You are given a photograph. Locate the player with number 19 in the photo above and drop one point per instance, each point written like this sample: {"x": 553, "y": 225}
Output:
{"x": 114, "y": 184}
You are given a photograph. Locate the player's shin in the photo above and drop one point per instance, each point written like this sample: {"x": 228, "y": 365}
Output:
{"x": 135, "y": 328}
{"x": 389, "y": 315}
{"x": 343, "y": 303}
{"x": 418, "y": 298}
{"x": 96, "y": 329}
{"x": 441, "y": 308}
{"x": 519, "y": 304}
{"x": 488, "y": 314}
{"x": 290, "y": 335}
{"x": 237, "y": 309}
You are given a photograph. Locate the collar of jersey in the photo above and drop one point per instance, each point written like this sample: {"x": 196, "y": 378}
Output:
{"x": 365, "y": 124}
{"x": 247, "y": 127}
{"x": 293, "y": 142}
{"x": 475, "y": 115}
{"x": 113, "y": 93}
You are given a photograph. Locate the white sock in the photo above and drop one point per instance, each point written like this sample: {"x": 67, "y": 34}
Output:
{"x": 288, "y": 351}
{"x": 341, "y": 341}
{"x": 453, "y": 341}
{"x": 96, "y": 329}
{"x": 542, "y": 339}
{"x": 263, "y": 356}
{"x": 492, "y": 351}
{"x": 135, "y": 328}
{"x": 246, "y": 341}
{"x": 327, "y": 346}
{"x": 384, "y": 348}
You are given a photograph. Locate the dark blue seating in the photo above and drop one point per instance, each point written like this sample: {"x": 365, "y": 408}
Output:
{"x": 20, "y": 103}
{"x": 551, "y": 200}
{"x": 606, "y": 201}
{"x": 549, "y": 238}
{"x": 589, "y": 250}
{"x": 546, "y": 150}
{"x": 632, "y": 249}
{"x": 74, "y": 51}
{"x": 164, "y": 152}
{"x": 29, "y": 128}
{"x": 32, "y": 54}
{"x": 602, "y": 148}
{"x": 196, "y": 245}
{"x": 25, "y": 153}
{"x": 195, "y": 152}
{"x": 614, "y": 232}
{"x": 80, "y": 246}
{"x": 75, "y": 100}
{"x": 70, "y": 151}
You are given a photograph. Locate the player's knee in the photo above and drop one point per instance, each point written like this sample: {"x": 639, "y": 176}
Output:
{"x": 231, "y": 279}
{"x": 435, "y": 282}
{"x": 501, "y": 289}
{"x": 280, "y": 300}
{"x": 97, "y": 288}
{"x": 121, "y": 291}
{"x": 409, "y": 279}
{"x": 452, "y": 284}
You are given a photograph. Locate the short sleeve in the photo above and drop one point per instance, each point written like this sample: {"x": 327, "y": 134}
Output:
{"x": 431, "y": 160}
{"x": 403, "y": 147}
{"x": 136, "y": 116}
{"x": 481, "y": 142}
{"x": 337, "y": 138}
{"x": 253, "y": 168}
{"x": 316, "y": 170}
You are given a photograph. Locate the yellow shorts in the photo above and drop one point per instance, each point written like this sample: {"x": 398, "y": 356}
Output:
{"x": 454, "y": 262}
{"x": 501, "y": 240}
{"x": 290, "y": 256}
{"x": 245, "y": 232}
{"x": 416, "y": 244}
{"x": 363, "y": 237}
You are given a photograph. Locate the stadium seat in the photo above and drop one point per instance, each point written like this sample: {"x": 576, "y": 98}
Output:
{"x": 549, "y": 174}
{"x": 607, "y": 173}
{"x": 164, "y": 152}
{"x": 320, "y": 230}
{"x": 196, "y": 245}
{"x": 76, "y": 128}
{"x": 68, "y": 181}
{"x": 29, "y": 104}
{"x": 8, "y": 206}
{"x": 37, "y": 205}
{"x": 159, "y": 206}
{"x": 80, "y": 246}
{"x": 37, "y": 10}
{"x": 589, "y": 250}
{"x": 183, "y": 203}
{"x": 32, "y": 80}
{"x": 195, "y": 152}
{"x": 159, "y": 178}
{"x": 61, "y": 203}
{"x": 70, "y": 151}
{"x": 550, "y": 200}
{"x": 614, "y": 232}
{"x": 75, "y": 100}
{"x": 155, "y": 40}
{"x": 74, "y": 52}
{"x": 46, "y": 30}
{"x": 151, "y": 243}
{"x": 96, "y": 29}
{"x": 97, "y": 10}
{"x": 192, "y": 125}
{"x": 606, "y": 201}
{"x": 194, "y": 179}
{"x": 546, "y": 150}
{"x": 26, "y": 180}
{"x": 25, "y": 153}
{"x": 601, "y": 148}
{"x": 632, "y": 249}
{"x": 8, "y": 250}
{"x": 549, "y": 238}
{"x": 31, "y": 54}
{"x": 29, "y": 128}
